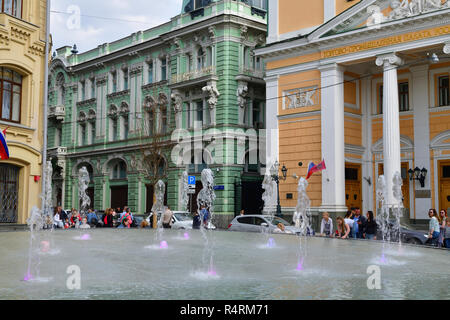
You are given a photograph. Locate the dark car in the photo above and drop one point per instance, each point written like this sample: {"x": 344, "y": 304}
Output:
{"x": 408, "y": 235}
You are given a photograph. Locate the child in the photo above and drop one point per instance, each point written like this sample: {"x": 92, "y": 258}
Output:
{"x": 84, "y": 224}
{"x": 326, "y": 228}
{"x": 66, "y": 224}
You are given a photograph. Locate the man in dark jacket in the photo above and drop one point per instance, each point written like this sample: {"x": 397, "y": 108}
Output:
{"x": 362, "y": 221}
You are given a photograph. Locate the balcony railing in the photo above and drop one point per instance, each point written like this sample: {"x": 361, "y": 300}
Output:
{"x": 58, "y": 112}
{"x": 197, "y": 74}
{"x": 251, "y": 72}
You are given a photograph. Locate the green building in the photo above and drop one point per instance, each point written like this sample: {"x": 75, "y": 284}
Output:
{"x": 185, "y": 95}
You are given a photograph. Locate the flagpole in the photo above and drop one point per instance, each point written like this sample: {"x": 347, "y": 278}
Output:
{"x": 45, "y": 122}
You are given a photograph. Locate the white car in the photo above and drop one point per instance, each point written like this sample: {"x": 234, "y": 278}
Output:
{"x": 183, "y": 220}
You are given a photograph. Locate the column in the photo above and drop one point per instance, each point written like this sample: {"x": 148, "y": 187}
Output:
{"x": 367, "y": 165}
{"x": 270, "y": 154}
{"x": 421, "y": 139}
{"x": 391, "y": 121}
{"x": 333, "y": 144}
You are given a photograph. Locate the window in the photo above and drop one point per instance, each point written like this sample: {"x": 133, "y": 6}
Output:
{"x": 188, "y": 63}
{"x": 258, "y": 4}
{"x": 446, "y": 172}
{"x": 163, "y": 120}
{"x": 10, "y": 95}
{"x": 114, "y": 82}
{"x": 12, "y": 7}
{"x": 444, "y": 92}
{"x": 92, "y": 132}
{"x": 246, "y": 220}
{"x": 199, "y": 107}
{"x": 119, "y": 170}
{"x": 200, "y": 59}
{"x": 126, "y": 127}
{"x": 163, "y": 69}
{"x": 114, "y": 128}
{"x": 92, "y": 88}
{"x": 256, "y": 114}
{"x": 150, "y": 72}
{"x": 83, "y": 90}
{"x": 351, "y": 174}
{"x": 82, "y": 134}
{"x": 151, "y": 122}
{"x": 403, "y": 97}
{"x": 58, "y": 135}
{"x": 188, "y": 115}
{"x": 125, "y": 79}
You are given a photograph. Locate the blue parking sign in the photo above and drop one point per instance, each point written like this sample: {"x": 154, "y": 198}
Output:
{"x": 191, "y": 180}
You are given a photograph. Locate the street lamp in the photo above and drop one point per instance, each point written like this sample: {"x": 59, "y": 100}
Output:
{"x": 275, "y": 177}
{"x": 418, "y": 174}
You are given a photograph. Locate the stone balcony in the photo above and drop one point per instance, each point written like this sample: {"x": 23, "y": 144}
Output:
{"x": 57, "y": 112}
{"x": 57, "y": 151}
{"x": 251, "y": 75}
{"x": 194, "y": 77}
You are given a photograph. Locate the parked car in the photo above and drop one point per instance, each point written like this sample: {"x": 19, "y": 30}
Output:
{"x": 182, "y": 220}
{"x": 257, "y": 223}
{"x": 408, "y": 235}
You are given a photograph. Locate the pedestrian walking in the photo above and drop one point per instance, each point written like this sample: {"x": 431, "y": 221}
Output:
{"x": 434, "y": 228}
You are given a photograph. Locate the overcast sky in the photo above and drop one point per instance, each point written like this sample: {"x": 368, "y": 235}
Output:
{"x": 123, "y": 18}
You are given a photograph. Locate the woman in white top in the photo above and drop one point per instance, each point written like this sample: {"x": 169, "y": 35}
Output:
{"x": 348, "y": 220}
{"x": 57, "y": 222}
{"x": 342, "y": 228}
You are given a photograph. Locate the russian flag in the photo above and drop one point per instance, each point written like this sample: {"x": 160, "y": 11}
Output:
{"x": 312, "y": 168}
{"x": 4, "y": 152}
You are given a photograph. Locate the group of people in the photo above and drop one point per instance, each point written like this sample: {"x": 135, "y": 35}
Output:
{"x": 439, "y": 228}
{"x": 112, "y": 218}
{"x": 353, "y": 225}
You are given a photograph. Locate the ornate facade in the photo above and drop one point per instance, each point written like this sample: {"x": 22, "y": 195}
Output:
{"x": 114, "y": 107}
{"x": 22, "y": 61}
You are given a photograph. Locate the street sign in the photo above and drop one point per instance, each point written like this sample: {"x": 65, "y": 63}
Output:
{"x": 219, "y": 187}
{"x": 191, "y": 191}
{"x": 191, "y": 180}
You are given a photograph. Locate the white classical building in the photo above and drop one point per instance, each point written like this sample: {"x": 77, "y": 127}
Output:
{"x": 364, "y": 86}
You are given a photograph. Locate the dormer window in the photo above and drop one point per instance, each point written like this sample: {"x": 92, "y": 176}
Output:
{"x": 193, "y": 5}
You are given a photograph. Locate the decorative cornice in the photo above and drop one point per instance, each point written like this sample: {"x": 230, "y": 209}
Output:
{"x": 86, "y": 102}
{"x": 118, "y": 94}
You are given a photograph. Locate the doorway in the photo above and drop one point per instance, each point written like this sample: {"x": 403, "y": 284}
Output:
{"x": 444, "y": 185}
{"x": 119, "y": 196}
{"x": 251, "y": 197}
{"x": 353, "y": 186}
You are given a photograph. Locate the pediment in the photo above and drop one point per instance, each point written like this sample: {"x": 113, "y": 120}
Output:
{"x": 373, "y": 14}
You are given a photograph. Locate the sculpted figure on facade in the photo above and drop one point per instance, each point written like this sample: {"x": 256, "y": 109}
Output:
{"x": 242, "y": 93}
{"x": 177, "y": 103}
{"x": 400, "y": 9}
{"x": 213, "y": 95}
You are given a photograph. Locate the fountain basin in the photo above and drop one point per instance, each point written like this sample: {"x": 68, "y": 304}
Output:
{"x": 331, "y": 269}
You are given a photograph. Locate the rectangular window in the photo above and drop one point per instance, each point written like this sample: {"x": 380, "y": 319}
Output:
{"x": 199, "y": 110}
{"x": 125, "y": 80}
{"x": 403, "y": 97}
{"x": 351, "y": 174}
{"x": 446, "y": 172}
{"x": 188, "y": 115}
{"x": 256, "y": 114}
{"x": 10, "y": 95}
{"x": 163, "y": 69}
{"x": 444, "y": 92}
{"x": 83, "y": 90}
{"x": 150, "y": 72}
{"x": 83, "y": 135}
{"x": 92, "y": 88}
{"x": 114, "y": 82}
{"x": 163, "y": 121}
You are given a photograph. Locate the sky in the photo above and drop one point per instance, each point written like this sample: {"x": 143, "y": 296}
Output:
{"x": 89, "y": 23}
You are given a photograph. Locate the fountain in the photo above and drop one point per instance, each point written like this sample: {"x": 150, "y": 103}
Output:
{"x": 206, "y": 198}
{"x": 302, "y": 220}
{"x": 83, "y": 184}
{"x": 158, "y": 208}
{"x": 184, "y": 191}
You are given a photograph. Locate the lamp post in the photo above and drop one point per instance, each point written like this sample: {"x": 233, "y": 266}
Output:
{"x": 275, "y": 177}
{"x": 418, "y": 174}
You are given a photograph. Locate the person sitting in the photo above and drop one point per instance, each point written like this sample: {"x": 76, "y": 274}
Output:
{"x": 84, "y": 224}
{"x": 92, "y": 218}
{"x": 145, "y": 224}
{"x": 280, "y": 228}
{"x": 326, "y": 227}
{"x": 75, "y": 219}
{"x": 107, "y": 218}
{"x": 343, "y": 229}
{"x": 125, "y": 223}
{"x": 167, "y": 218}
{"x": 57, "y": 222}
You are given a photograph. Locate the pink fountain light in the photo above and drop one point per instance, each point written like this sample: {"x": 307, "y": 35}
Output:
{"x": 271, "y": 243}
{"x": 163, "y": 245}
{"x": 45, "y": 246}
{"x": 300, "y": 265}
{"x": 383, "y": 258}
{"x": 85, "y": 237}
{"x": 28, "y": 277}
{"x": 186, "y": 236}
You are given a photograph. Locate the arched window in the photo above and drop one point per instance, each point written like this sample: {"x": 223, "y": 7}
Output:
{"x": 151, "y": 122}
{"x": 12, "y": 7}
{"x": 164, "y": 127}
{"x": 118, "y": 170}
{"x": 61, "y": 92}
{"x": 201, "y": 57}
{"x": 10, "y": 95}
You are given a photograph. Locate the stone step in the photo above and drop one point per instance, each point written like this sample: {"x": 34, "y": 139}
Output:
{"x": 5, "y": 227}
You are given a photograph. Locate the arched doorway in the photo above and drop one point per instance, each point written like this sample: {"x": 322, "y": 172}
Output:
{"x": 9, "y": 190}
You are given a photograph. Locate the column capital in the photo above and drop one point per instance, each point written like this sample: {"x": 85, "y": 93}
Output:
{"x": 447, "y": 48}
{"x": 388, "y": 60}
